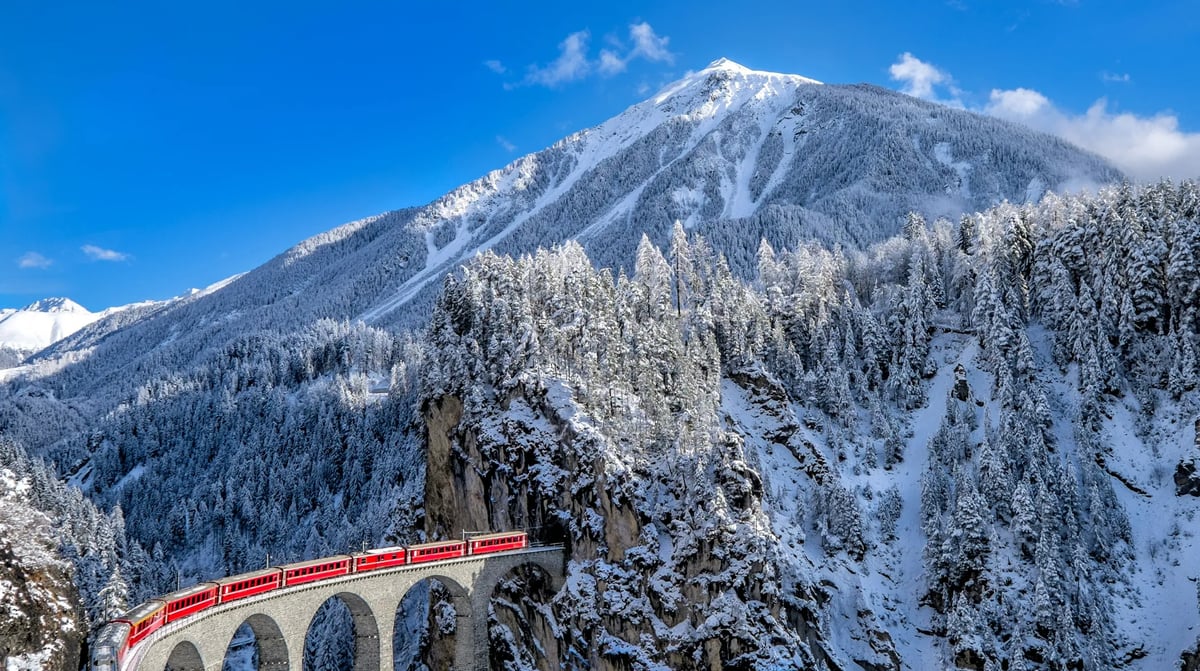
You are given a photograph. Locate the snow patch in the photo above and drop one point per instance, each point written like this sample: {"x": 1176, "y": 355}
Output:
{"x": 941, "y": 151}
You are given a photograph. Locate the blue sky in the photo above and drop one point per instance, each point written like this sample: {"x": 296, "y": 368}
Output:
{"x": 149, "y": 148}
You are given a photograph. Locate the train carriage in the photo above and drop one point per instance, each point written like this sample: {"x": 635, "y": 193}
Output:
{"x": 380, "y": 558}
{"x": 143, "y": 621}
{"x": 436, "y": 551}
{"x": 248, "y": 584}
{"x": 317, "y": 569}
{"x": 499, "y": 542}
{"x": 119, "y": 636}
{"x": 111, "y": 644}
{"x": 191, "y": 600}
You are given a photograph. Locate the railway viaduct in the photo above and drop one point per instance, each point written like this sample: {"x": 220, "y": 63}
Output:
{"x": 280, "y": 619}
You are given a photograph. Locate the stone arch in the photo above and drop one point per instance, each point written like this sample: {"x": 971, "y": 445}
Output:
{"x": 185, "y": 657}
{"x": 457, "y": 590}
{"x": 366, "y": 630}
{"x": 268, "y": 636}
{"x": 524, "y": 587}
{"x": 463, "y": 637}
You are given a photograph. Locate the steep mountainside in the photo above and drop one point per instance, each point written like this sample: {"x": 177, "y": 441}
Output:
{"x": 734, "y": 154}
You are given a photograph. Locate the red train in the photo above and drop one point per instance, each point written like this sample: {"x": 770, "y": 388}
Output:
{"x": 122, "y": 634}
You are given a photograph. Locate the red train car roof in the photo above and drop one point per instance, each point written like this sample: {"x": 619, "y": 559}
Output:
{"x": 315, "y": 562}
{"x": 379, "y": 551}
{"x": 247, "y": 576}
{"x": 433, "y": 544}
{"x": 499, "y": 534}
{"x": 188, "y": 591}
{"x": 142, "y": 612}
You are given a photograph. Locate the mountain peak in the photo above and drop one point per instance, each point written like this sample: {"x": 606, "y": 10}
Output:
{"x": 731, "y": 83}
{"x": 56, "y": 304}
{"x": 42, "y": 323}
{"x": 726, "y": 64}
{"x": 728, "y": 67}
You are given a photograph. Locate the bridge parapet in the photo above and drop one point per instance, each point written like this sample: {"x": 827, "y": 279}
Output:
{"x": 280, "y": 619}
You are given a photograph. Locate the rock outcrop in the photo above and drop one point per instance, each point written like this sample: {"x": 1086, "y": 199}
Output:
{"x": 1187, "y": 479}
{"x": 667, "y": 561}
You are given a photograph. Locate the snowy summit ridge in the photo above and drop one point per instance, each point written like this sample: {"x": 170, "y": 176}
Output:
{"x": 56, "y": 304}
{"x": 42, "y": 323}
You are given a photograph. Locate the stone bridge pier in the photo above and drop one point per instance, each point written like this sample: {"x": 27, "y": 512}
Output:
{"x": 280, "y": 619}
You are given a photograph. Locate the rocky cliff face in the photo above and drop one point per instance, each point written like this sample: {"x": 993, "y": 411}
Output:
{"x": 41, "y": 621}
{"x": 670, "y": 558}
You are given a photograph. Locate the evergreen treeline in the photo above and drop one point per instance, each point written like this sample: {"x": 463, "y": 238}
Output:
{"x": 108, "y": 569}
{"x": 298, "y": 446}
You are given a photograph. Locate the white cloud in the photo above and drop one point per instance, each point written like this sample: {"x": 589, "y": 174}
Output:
{"x": 505, "y": 144}
{"x": 918, "y": 76}
{"x": 495, "y": 66}
{"x": 610, "y": 63}
{"x": 648, "y": 45}
{"x": 1017, "y": 104}
{"x": 33, "y": 260}
{"x": 100, "y": 254}
{"x": 1113, "y": 77}
{"x": 1145, "y": 148}
{"x": 572, "y": 63}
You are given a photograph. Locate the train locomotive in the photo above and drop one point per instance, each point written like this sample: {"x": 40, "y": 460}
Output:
{"x": 119, "y": 636}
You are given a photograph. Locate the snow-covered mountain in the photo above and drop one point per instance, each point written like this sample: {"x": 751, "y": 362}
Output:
{"x": 783, "y": 473}
{"x": 43, "y": 323}
{"x": 735, "y": 154}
